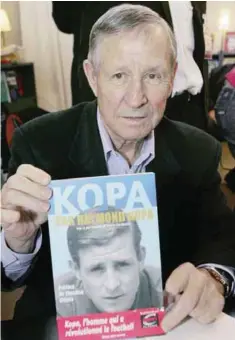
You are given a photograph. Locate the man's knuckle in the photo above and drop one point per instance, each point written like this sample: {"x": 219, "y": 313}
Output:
{"x": 23, "y": 169}
{"x": 8, "y": 196}
{"x": 168, "y": 285}
{"x": 189, "y": 266}
{"x": 20, "y": 168}
{"x": 12, "y": 181}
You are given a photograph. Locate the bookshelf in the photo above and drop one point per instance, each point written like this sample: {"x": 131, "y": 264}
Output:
{"x": 20, "y": 80}
{"x": 18, "y": 98}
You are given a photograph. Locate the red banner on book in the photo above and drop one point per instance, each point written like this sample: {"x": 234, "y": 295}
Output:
{"x": 106, "y": 326}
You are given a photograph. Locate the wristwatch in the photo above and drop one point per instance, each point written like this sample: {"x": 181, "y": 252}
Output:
{"x": 220, "y": 276}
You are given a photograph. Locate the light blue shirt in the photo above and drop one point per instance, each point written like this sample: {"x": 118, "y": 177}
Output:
{"x": 116, "y": 163}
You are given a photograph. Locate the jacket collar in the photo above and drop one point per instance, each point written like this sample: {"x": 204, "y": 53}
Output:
{"x": 87, "y": 152}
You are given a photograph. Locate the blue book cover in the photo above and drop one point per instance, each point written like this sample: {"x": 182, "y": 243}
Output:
{"x": 106, "y": 262}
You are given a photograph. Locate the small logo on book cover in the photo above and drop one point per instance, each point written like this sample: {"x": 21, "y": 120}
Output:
{"x": 150, "y": 319}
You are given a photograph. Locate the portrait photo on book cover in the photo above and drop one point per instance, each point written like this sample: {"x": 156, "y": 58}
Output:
{"x": 109, "y": 267}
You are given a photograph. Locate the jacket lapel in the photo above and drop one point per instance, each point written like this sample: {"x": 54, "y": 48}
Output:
{"x": 86, "y": 152}
{"x": 164, "y": 165}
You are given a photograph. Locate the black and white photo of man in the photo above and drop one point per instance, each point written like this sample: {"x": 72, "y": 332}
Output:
{"x": 108, "y": 266}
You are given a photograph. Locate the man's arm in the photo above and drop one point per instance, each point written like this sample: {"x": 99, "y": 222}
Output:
{"x": 216, "y": 225}
{"x": 216, "y": 222}
{"x": 16, "y": 266}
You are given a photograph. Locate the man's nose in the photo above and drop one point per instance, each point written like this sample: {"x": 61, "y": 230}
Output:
{"x": 112, "y": 280}
{"x": 135, "y": 95}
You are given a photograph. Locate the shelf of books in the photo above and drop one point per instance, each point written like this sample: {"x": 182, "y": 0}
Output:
{"x": 18, "y": 90}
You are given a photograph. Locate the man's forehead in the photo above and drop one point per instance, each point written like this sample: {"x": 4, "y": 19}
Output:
{"x": 117, "y": 248}
{"x": 121, "y": 48}
{"x": 146, "y": 31}
{"x": 158, "y": 64}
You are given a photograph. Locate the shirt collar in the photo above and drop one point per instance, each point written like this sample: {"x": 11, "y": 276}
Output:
{"x": 148, "y": 147}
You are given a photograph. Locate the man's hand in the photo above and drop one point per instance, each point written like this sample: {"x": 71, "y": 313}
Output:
{"x": 24, "y": 206}
{"x": 197, "y": 295}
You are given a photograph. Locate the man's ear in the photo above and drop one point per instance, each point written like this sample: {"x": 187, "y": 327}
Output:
{"x": 91, "y": 75}
{"x": 75, "y": 269}
{"x": 172, "y": 79}
{"x": 142, "y": 257}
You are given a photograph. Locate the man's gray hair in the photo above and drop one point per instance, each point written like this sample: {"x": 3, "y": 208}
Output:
{"x": 124, "y": 18}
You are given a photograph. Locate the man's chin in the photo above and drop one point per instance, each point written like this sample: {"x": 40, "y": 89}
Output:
{"x": 116, "y": 309}
{"x": 134, "y": 135}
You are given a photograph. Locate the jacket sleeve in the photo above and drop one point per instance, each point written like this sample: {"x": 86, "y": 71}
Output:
{"x": 21, "y": 153}
{"x": 66, "y": 15}
{"x": 216, "y": 222}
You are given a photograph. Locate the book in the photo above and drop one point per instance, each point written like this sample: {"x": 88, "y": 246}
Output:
{"x": 5, "y": 94}
{"x": 106, "y": 261}
{"x": 11, "y": 78}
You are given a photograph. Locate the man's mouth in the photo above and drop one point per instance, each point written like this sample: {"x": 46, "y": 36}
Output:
{"x": 135, "y": 118}
{"x": 113, "y": 297}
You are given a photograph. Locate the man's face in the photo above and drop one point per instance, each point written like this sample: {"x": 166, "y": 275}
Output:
{"x": 111, "y": 273}
{"x": 133, "y": 81}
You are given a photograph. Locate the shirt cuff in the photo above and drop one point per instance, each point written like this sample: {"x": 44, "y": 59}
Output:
{"x": 15, "y": 264}
{"x": 228, "y": 270}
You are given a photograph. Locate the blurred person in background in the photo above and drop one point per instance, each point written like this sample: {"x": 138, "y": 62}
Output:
{"x": 222, "y": 109}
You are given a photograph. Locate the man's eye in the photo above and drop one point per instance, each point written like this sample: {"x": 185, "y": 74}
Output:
{"x": 123, "y": 264}
{"x": 154, "y": 76}
{"x": 96, "y": 269}
{"x": 118, "y": 75}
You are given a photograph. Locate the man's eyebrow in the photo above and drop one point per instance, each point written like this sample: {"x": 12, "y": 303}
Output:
{"x": 156, "y": 68}
{"x": 96, "y": 265}
{"x": 127, "y": 259}
{"x": 120, "y": 68}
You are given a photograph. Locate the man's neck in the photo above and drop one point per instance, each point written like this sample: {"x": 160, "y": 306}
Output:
{"x": 129, "y": 149}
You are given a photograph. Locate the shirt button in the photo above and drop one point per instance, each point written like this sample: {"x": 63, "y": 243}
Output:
{"x": 17, "y": 262}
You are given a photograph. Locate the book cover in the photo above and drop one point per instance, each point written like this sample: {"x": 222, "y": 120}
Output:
{"x": 11, "y": 78}
{"x": 106, "y": 257}
{"x": 5, "y": 94}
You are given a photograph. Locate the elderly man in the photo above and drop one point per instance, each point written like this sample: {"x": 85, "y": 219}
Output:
{"x": 188, "y": 102}
{"x": 108, "y": 270}
{"x": 130, "y": 68}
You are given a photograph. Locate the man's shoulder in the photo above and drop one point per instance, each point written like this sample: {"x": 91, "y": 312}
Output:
{"x": 192, "y": 137}
{"x": 53, "y": 123}
{"x": 194, "y": 149}
{"x": 46, "y": 141}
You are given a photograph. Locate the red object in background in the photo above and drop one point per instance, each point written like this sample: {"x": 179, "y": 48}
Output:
{"x": 13, "y": 120}
{"x": 20, "y": 85}
{"x": 230, "y": 76}
{"x": 5, "y": 61}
